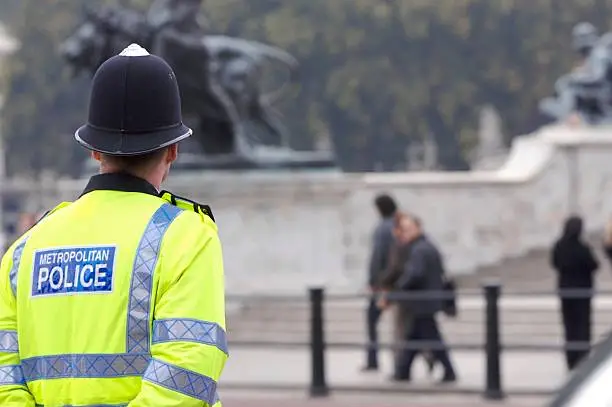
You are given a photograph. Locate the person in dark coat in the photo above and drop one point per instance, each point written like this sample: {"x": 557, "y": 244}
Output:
{"x": 382, "y": 243}
{"x": 607, "y": 243}
{"x": 575, "y": 264}
{"x": 403, "y": 315}
{"x": 422, "y": 272}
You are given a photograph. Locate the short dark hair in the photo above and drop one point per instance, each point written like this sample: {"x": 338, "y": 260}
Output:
{"x": 386, "y": 205}
{"x": 134, "y": 163}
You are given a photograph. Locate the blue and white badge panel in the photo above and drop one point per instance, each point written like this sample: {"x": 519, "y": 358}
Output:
{"x": 73, "y": 270}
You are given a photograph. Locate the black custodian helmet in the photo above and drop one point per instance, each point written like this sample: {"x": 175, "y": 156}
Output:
{"x": 134, "y": 106}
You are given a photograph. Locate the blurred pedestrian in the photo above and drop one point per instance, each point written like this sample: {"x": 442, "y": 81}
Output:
{"x": 379, "y": 261}
{"x": 402, "y": 314}
{"x": 423, "y": 272}
{"x": 608, "y": 240}
{"x": 575, "y": 264}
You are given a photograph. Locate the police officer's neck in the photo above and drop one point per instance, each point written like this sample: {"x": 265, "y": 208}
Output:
{"x": 154, "y": 177}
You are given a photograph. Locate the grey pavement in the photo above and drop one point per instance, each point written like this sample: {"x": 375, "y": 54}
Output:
{"x": 522, "y": 373}
{"x": 525, "y": 320}
{"x": 234, "y": 398}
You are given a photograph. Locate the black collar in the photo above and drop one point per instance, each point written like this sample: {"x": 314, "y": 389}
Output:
{"x": 119, "y": 181}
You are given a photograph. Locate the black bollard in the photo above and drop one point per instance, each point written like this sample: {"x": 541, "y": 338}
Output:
{"x": 493, "y": 390}
{"x": 318, "y": 385}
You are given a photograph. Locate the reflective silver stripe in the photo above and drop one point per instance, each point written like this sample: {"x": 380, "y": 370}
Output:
{"x": 16, "y": 261}
{"x": 189, "y": 330}
{"x": 8, "y": 342}
{"x": 84, "y": 366}
{"x": 137, "y": 335}
{"x": 11, "y": 375}
{"x": 181, "y": 381}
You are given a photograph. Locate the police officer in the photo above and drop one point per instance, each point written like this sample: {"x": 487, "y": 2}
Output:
{"x": 118, "y": 298}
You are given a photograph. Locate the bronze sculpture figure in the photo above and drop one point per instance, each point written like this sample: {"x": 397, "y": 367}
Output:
{"x": 219, "y": 77}
{"x": 587, "y": 90}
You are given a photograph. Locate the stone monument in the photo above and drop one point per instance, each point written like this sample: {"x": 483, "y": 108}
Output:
{"x": 234, "y": 122}
{"x": 586, "y": 92}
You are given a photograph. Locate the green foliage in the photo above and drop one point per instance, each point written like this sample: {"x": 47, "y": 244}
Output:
{"x": 375, "y": 74}
{"x": 9, "y": 10}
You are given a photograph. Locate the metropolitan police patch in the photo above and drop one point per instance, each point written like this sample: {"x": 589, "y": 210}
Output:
{"x": 73, "y": 270}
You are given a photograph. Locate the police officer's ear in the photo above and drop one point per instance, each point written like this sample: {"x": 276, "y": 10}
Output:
{"x": 172, "y": 153}
{"x": 96, "y": 156}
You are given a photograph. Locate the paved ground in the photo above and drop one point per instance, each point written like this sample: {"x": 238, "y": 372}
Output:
{"x": 522, "y": 373}
{"x": 525, "y": 320}
{"x": 344, "y": 402}
{"x": 261, "y": 399}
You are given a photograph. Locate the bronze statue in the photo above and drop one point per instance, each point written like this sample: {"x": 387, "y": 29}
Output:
{"x": 584, "y": 38}
{"x": 219, "y": 76}
{"x": 587, "y": 90}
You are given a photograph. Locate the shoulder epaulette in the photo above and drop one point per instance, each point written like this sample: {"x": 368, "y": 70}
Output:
{"x": 187, "y": 204}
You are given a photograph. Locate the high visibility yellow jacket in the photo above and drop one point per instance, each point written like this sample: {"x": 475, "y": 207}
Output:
{"x": 114, "y": 300}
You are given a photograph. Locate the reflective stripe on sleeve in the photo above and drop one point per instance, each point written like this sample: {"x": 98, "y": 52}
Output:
{"x": 137, "y": 335}
{"x": 189, "y": 330}
{"x": 84, "y": 366}
{"x": 11, "y": 375}
{"x": 15, "y": 267}
{"x": 181, "y": 381}
{"x": 8, "y": 342}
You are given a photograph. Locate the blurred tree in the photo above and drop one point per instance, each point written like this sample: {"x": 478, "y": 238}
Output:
{"x": 43, "y": 106}
{"x": 8, "y": 10}
{"x": 375, "y": 75}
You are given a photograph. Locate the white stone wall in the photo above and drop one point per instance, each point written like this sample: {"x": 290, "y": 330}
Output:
{"x": 282, "y": 232}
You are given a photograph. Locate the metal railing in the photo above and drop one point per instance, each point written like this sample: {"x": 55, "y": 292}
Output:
{"x": 310, "y": 323}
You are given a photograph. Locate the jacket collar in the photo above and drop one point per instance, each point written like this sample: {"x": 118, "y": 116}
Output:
{"x": 119, "y": 181}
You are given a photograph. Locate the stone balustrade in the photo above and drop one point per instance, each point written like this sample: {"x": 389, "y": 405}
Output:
{"x": 284, "y": 231}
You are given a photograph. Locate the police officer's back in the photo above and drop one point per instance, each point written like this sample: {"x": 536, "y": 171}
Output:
{"x": 118, "y": 298}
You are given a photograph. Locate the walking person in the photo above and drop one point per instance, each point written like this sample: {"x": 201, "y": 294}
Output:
{"x": 575, "y": 264}
{"x": 118, "y": 298}
{"x": 382, "y": 242}
{"x": 403, "y": 316}
{"x": 422, "y": 272}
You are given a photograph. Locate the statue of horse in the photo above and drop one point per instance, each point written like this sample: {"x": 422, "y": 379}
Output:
{"x": 220, "y": 83}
